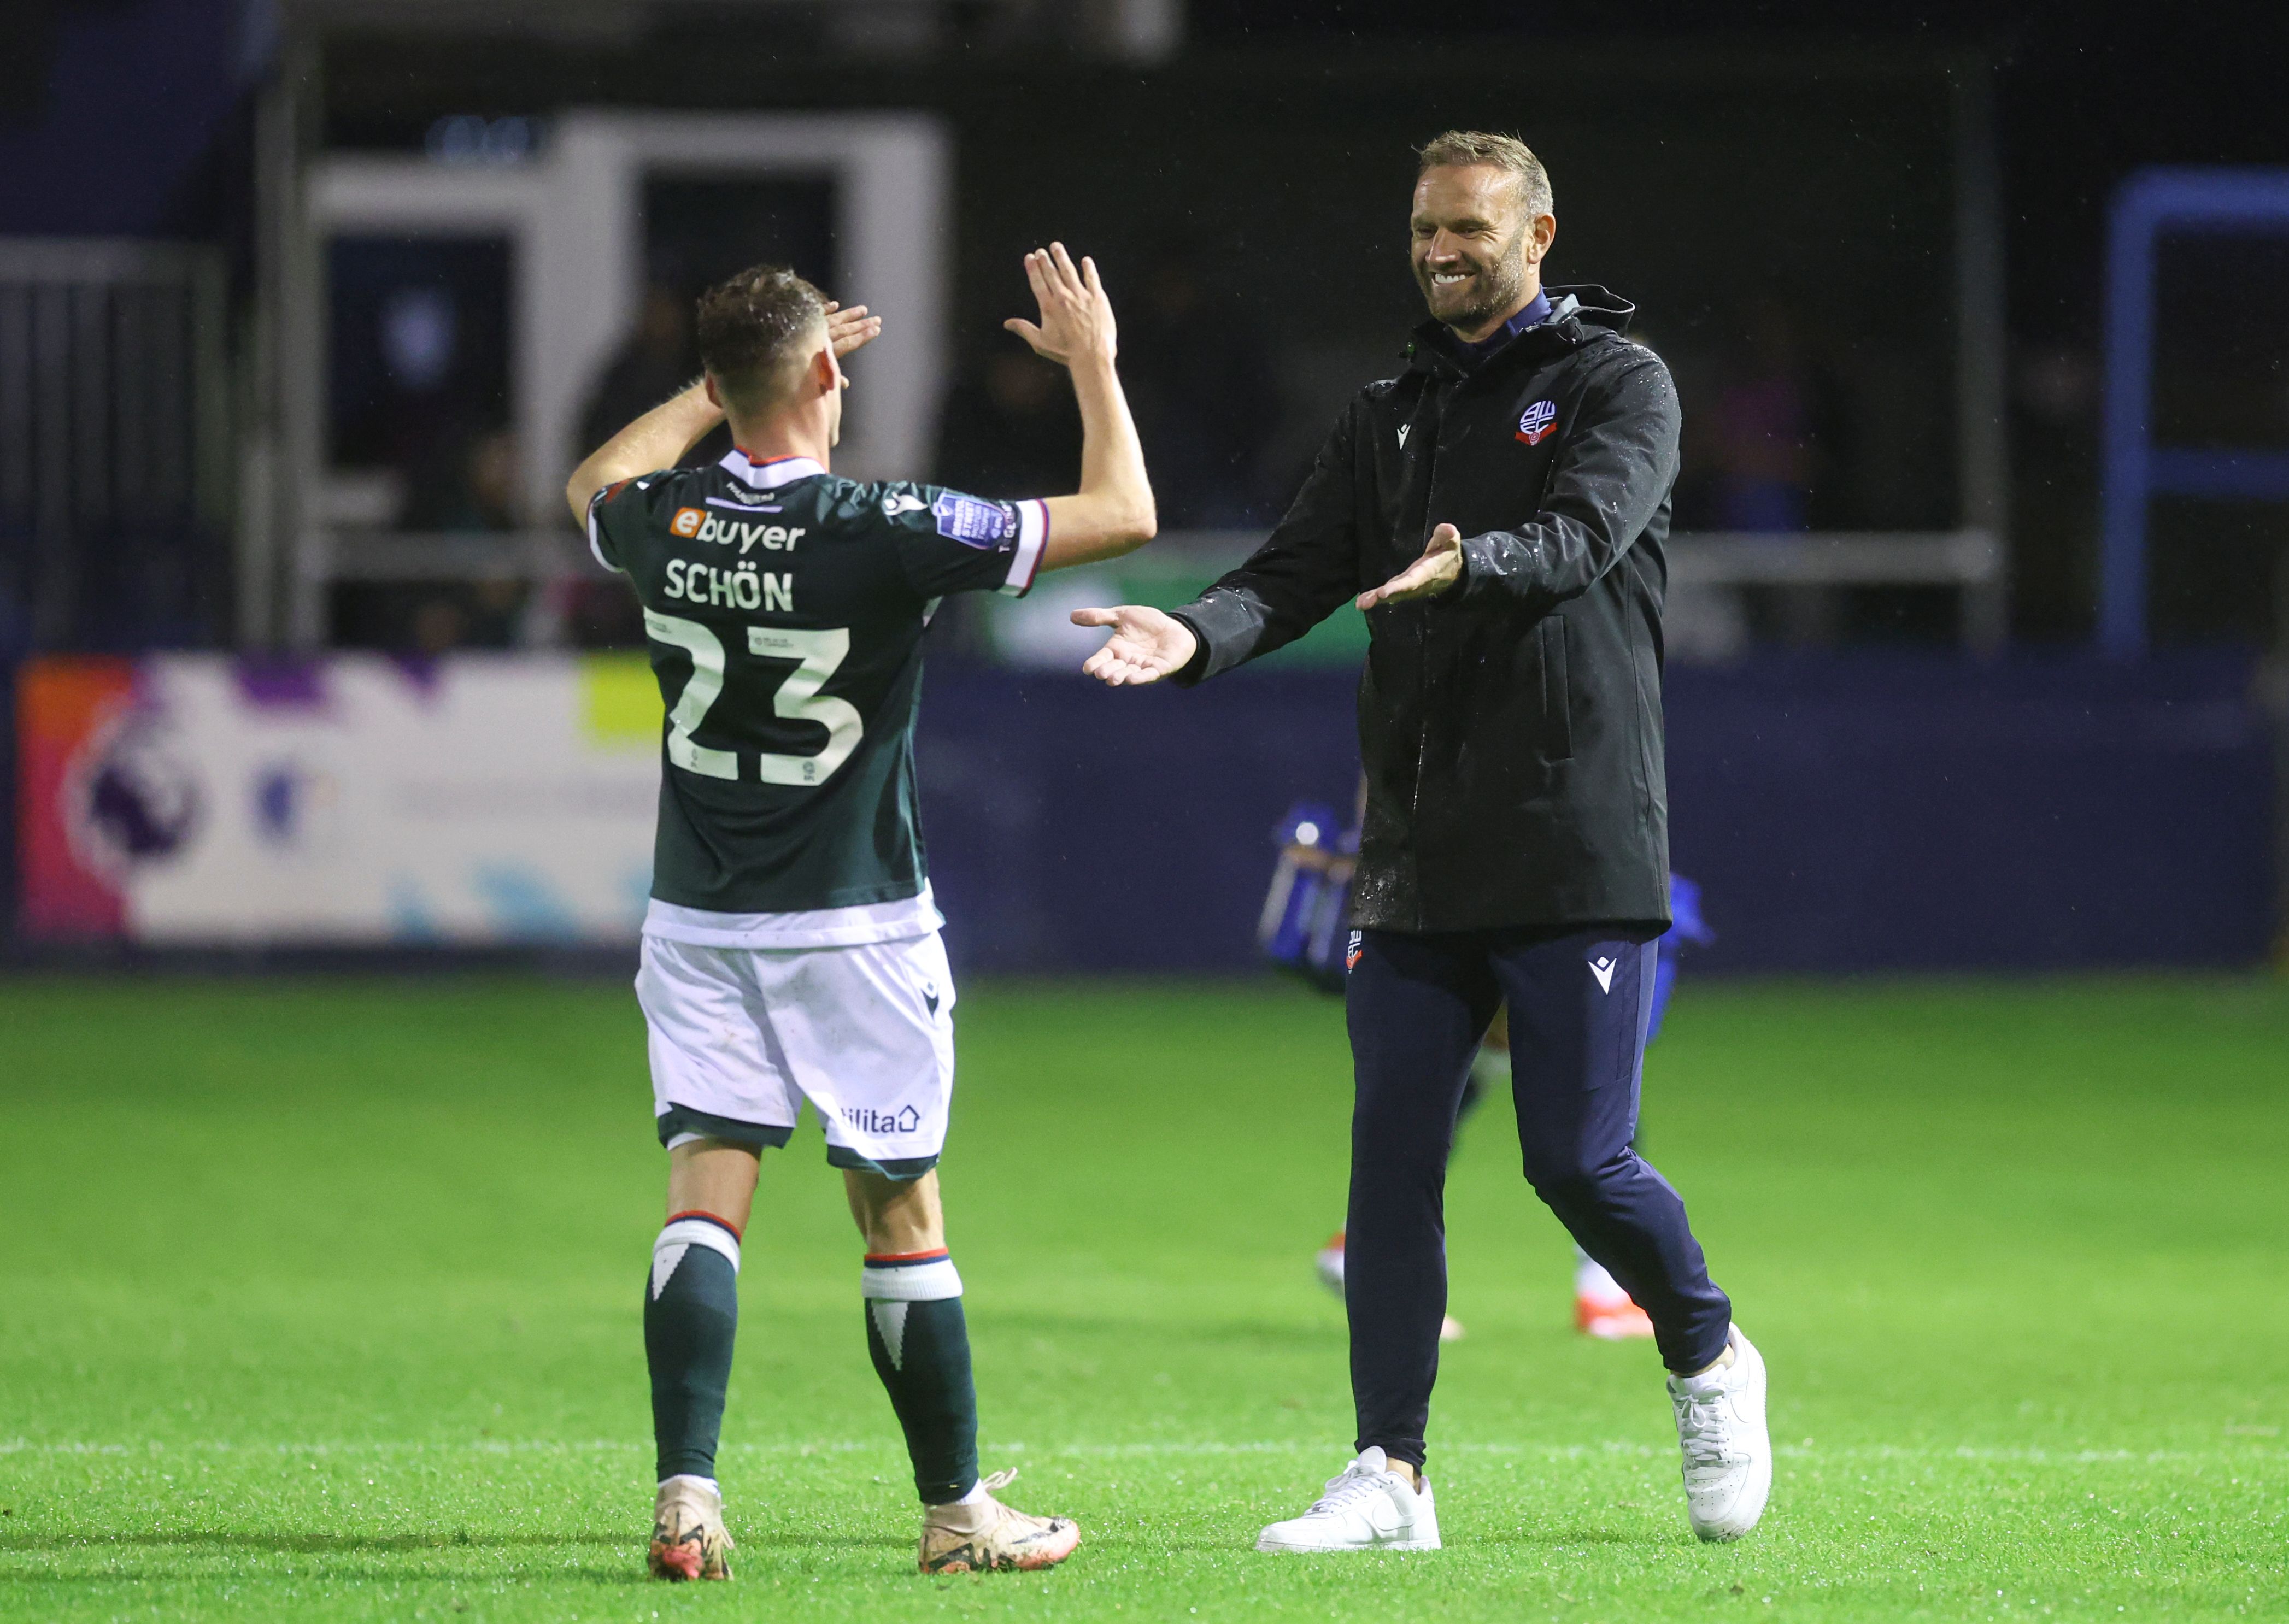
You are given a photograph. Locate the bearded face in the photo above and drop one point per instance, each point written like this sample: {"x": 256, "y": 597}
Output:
{"x": 1475, "y": 249}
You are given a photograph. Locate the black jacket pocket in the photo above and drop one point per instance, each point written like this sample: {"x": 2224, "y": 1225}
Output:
{"x": 1556, "y": 696}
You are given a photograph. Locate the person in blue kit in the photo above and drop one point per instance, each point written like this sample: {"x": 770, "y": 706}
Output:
{"x": 1303, "y": 931}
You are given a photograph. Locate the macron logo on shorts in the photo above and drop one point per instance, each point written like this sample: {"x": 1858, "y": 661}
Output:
{"x": 1602, "y": 968}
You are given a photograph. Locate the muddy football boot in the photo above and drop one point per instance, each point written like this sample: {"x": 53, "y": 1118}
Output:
{"x": 981, "y": 1535}
{"x": 688, "y": 1537}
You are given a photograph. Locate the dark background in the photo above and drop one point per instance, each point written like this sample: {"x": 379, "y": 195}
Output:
{"x": 1703, "y": 157}
{"x": 1873, "y": 799}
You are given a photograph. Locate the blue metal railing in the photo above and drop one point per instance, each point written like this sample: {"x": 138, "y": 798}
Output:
{"x": 2211, "y": 201}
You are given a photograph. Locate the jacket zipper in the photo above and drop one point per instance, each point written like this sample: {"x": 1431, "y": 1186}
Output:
{"x": 1438, "y": 394}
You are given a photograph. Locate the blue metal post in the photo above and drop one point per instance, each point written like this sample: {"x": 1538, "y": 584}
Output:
{"x": 2129, "y": 395}
{"x": 2223, "y": 202}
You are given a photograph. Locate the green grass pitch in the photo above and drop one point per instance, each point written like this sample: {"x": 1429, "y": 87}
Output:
{"x": 320, "y": 1300}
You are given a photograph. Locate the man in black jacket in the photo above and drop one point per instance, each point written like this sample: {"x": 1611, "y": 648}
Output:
{"x": 1497, "y": 510}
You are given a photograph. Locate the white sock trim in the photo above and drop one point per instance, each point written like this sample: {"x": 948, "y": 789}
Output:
{"x": 700, "y": 1232}
{"x": 931, "y": 1282}
{"x": 679, "y": 1238}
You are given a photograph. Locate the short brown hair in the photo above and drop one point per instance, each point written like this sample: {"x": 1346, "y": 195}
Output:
{"x": 749, "y": 325}
{"x": 1503, "y": 152}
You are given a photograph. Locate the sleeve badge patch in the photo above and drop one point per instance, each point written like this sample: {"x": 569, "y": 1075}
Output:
{"x": 1540, "y": 418}
{"x": 972, "y": 522}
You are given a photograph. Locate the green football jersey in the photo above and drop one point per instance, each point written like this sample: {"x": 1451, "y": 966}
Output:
{"x": 784, "y": 609}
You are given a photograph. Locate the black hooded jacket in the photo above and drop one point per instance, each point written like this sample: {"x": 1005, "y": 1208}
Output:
{"x": 1511, "y": 727}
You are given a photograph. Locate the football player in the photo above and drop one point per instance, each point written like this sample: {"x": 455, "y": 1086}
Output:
{"x": 791, "y": 947}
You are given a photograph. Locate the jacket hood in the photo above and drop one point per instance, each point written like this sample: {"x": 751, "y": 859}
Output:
{"x": 1574, "y": 312}
{"x": 1599, "y": 307}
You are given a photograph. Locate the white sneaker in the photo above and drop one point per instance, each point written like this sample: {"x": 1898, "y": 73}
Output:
{"x": 1728, "y": 1454}
{"x": 1369, "y": 1507}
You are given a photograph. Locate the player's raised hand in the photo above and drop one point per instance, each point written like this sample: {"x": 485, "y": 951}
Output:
{"x": 1438, "y": 570}
{"x": 1145, "y": 645}
{"x": 851, "y": 329}
{"x": 1076, "y": 317}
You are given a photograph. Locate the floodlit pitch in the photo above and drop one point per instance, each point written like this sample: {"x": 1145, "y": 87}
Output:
{"x": 321, "y": 1303}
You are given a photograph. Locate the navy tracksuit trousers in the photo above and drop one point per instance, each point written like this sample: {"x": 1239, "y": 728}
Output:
{"x": 1417, "y": 1006}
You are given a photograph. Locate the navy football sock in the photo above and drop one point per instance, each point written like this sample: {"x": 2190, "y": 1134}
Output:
{"x": 920, "y": 1343}
{"x": 691, "y": 1315}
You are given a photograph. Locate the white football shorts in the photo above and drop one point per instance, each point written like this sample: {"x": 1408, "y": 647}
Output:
{"x": 740, "y": 1036}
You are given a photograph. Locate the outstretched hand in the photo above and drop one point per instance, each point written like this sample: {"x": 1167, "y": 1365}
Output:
{"x": 1076, "y": 317}
{"x": 851, "y": 329}
{"x": 1438, "y": 570}
{"x": 1145, "y": 645}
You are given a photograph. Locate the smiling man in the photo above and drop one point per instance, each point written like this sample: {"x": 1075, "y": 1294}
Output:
{"x": 1498, "y": 510}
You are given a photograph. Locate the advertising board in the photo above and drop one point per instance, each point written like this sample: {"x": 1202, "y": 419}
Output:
{"x": 187, "y": 799}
